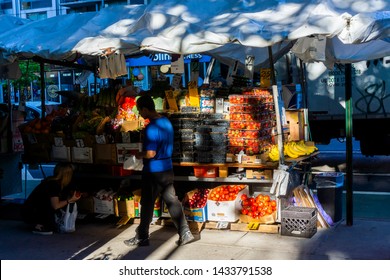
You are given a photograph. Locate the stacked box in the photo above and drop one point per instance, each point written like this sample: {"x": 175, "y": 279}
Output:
{"x": 82, "y": 154}
{"x": 210, "y": 144}
{"x": 184, "y": 139}
{"x": 105, "y": 154}
{"x": 60, "y": 153}
{"x": 195, "y": 205}
{"x": 124, "y": 207}
{"x": 137, "y": 205}
{"x": 125, "y": 150}
{"x": 299, "y": 221}
{"x": 196, "y": 133}
{"x": 252, "y": 117}
{"x": 103, "y": 206}
{"x": 103, "y": 202}
{"x": 226, "y": 211}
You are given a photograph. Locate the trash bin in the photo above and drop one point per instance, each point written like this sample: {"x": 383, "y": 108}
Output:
{"x": 330, "y": 193}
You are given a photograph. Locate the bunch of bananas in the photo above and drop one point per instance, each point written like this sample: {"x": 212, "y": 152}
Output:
{"x": 274, "y": 153}
{"x": 293, "y": 149}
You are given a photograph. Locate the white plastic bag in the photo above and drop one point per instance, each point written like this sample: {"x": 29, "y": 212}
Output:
{"x": 132, "y": 163}
{"x": 66, "y": 219}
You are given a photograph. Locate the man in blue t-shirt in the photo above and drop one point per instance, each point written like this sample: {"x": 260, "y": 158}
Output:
{"x": 157, "y": 174}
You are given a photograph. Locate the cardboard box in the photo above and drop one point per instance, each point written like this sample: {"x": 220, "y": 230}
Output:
{"x": 137, "y": 205}
{"x": 267, "y": 219}
{"x": 82, "y": 155}
{"x": 124, "y": 208}
{"x": 86, "y": 205}
{"x": 164, "y": 210}
{"x": 60, "y": 153}
{"x": 196, "y": 214}
{"x": 223, "y": 171}
{"x": 105, "y": 154}
{"x": 260, "y": 174}
{"x": 124, "y": 150}
{"x": 225, "y": 211}
{"x": 130, "y": 126}
{"x": 255, "y": 159}
{"x": 296, "y": 122}
{"x": 103, "y": 206}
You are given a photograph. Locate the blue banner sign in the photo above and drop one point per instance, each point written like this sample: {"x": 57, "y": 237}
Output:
{"x": 163, "y": 58}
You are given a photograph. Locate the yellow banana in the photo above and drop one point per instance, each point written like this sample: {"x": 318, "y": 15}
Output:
{"x": 288, "y": 152}
{"x": 301, "y": 145}
{"x": 274, "y": 153}
{"x": 309, "y": 149}
{"x": 297, "y": 149}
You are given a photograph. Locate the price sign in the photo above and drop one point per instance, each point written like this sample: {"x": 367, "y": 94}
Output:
{"x": 193, "y": 93}
{"x": 176, "y": 80}
{"x": 222, "y": 225}
{"x": 100, "y": 139}
{"x": 177, "y": 63}
{"x": 253, "y": 226}
{"x": 171, "y": 100}
{"x": 58, "y": 142}
{"x": 249, "y": 66}
{"x": 80, "y": 143}
{"x": 265, "y": 77}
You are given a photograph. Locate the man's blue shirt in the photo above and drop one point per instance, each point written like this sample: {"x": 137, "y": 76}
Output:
{"x": 158, "y": 137}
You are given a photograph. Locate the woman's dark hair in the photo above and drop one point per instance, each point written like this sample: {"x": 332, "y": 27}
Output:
{"x": 146, "y": 101}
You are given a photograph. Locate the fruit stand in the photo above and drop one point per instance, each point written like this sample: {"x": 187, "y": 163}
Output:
{"x": 225, "y": 142}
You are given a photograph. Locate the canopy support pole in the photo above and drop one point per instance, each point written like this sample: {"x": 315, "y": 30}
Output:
{"x": 275, "y": 93}
{"x": 43, "y": 86}
{"x": 271, "y": 66}
{"x": 349, "y": 155}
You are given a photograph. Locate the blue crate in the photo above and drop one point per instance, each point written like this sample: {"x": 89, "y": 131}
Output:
{"x": 335, "y": 179}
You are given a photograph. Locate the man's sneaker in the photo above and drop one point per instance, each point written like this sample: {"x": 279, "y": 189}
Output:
{"x": 42, "y": 231}
{"x": 186, "y": 238}
{"x": 135, "y": 241}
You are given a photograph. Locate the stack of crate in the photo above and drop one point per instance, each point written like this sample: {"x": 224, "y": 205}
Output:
{"x": 184, "y": 129}
{"x": 252, "y": 118}
{"x": 211, "y": 143}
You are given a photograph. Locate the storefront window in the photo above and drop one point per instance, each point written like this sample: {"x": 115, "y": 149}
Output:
{"x": 5, "y": 4}
{"x": 35, "y": 4}
{"x": 36, "y": 16}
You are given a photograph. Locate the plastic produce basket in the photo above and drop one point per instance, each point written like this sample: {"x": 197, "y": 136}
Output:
{"x": 332, "y": 178}
{"x": 185, "y": 134}
{"x": 299, "y": 221}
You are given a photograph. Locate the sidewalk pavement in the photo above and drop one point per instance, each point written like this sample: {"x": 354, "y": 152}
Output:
{"x": 366, "y": 239}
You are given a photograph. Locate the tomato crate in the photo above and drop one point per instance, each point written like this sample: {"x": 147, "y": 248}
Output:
{"x": 299, "y": 221}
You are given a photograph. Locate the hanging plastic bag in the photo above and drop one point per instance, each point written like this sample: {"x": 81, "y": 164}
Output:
{"x": 132, "y": 163}
{"x": 66, "y": 219}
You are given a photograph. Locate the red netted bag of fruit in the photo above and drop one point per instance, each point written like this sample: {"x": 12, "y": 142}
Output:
{"x": 260, "y": 208}
{"x": 225, "y": 192}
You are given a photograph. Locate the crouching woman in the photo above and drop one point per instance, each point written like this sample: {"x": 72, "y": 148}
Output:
{"x": 48, "y": 197}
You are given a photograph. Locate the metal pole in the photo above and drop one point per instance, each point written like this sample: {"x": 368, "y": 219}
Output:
{"x": 349, "y": 129}
{"x": 271, "y": 65}
{"x": 10, "y": 119}
{"x": 278, "y": 125}
{"x": 275, "y": 93}
{"x": 43, "y": 87}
